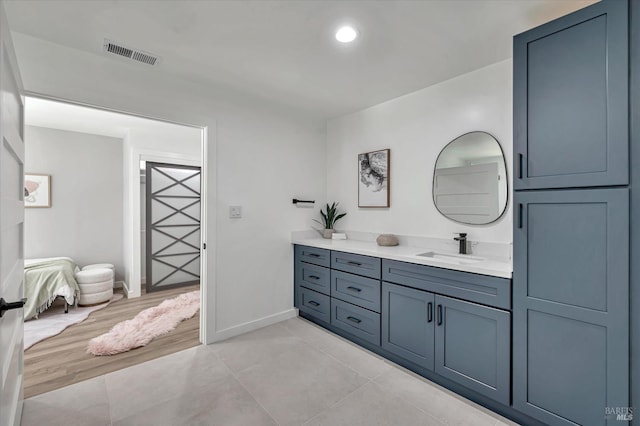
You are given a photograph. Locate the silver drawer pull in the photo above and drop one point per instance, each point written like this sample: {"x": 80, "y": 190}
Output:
{"x": 354, "y": 289}
{"x": 354, "y": 319}
{"x": 314, "y": 303}
{"x": 354, "y": 263}
{"x": 314, "y": 277}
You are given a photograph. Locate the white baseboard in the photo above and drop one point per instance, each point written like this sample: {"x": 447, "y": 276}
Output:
{"x": 125, "y": 287}
{"x": 118, "y": 284}
{"x": 253, "y": 325}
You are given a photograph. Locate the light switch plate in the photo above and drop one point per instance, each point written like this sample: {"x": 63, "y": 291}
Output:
{"x": 235, "y": 212}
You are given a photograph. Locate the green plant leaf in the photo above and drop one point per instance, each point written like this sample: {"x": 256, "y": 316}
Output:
{"x": 331, "y": 216}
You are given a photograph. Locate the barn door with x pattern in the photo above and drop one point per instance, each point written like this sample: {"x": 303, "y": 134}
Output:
{"x": 173, "y": 225}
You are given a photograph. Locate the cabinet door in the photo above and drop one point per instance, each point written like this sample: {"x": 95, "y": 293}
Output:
{"x": 570, "y": 86}
{"x": 473, "y": 346}
{"x": 571, "y": 305}
{"x": 407, "y": 323}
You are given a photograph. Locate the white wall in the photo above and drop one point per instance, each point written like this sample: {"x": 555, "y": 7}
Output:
{"x": 260, "y": 156}
{"x": 416, "y": 127}
{"x": 85, "y": 218}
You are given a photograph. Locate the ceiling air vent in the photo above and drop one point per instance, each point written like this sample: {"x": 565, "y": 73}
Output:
{"x": 130, "y": 53}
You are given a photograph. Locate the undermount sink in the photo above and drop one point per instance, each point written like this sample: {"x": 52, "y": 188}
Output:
{"x": 458, "y": 259}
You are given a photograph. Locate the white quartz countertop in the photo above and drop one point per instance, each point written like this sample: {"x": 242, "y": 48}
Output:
{"x": 485, "y": 265}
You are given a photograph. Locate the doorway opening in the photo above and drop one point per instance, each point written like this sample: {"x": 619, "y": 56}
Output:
{"x": 93, "y": 158}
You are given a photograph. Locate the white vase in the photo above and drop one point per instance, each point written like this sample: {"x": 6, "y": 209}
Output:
{"x": 327, "y": 233}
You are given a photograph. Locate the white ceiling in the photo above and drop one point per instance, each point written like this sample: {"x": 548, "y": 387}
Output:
{"x": 77, "y": 118}
{"x": 285, "y": 50}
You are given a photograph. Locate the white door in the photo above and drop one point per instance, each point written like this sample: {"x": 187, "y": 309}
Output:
{"x": 11, "y": 229}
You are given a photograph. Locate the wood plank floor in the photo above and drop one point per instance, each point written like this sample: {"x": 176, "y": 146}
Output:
{"x": 62, "y": 360}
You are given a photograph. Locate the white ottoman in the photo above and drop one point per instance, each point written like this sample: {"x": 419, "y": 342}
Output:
{"x": 101, "y": 266}
{"x": 96, "y": 285}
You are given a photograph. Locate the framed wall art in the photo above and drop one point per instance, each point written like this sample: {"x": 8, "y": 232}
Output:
{"x": 37, "y": 190}
{"x": 373, "y": 178}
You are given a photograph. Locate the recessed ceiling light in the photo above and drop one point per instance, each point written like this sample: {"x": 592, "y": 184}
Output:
{"x": 346, "y": 34}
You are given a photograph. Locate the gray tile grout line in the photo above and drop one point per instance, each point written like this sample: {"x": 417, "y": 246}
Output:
{"x": 304, "y": 342}
{"x": 373, "y": 380}
{"x": 339, "y": 401}
{"x": 428, "y": 414}
{"x": 233, "y": 374}
{"x": 337, "y": 359}
{"x": 106, "y": 390}
{"x": 194, "y": 348}
{"x": 324, "y": 352}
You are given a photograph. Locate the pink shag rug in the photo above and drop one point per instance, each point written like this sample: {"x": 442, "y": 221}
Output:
{"x": 146, "y": 326}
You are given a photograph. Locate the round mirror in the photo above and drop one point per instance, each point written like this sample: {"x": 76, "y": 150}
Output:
{"x": 470, "y": 179}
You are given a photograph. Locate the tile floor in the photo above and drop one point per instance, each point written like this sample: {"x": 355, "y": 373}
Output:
{"x": 291, "y": 373}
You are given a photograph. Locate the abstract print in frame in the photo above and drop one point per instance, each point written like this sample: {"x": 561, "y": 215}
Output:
{"x": 373, "y": 178}
{"x": 37, "y": 190}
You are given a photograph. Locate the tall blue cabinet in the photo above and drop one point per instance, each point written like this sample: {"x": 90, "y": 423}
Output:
{"x": 571, "y": 279}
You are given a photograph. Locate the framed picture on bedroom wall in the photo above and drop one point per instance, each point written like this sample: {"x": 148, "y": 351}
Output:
{"x": 373, "y": 178}
{"x": 37, "y": 190}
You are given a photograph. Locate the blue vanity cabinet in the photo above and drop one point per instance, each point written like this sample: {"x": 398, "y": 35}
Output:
{"x": 408, "y": 323}
{"x": 570, "y": 86}
{"x": 312, "y": 286}
{"x": 473, "y": 346}
{"x": 571, "y": 304}
{"x": 450, "y": 326}
{"x": 466, "y": 342}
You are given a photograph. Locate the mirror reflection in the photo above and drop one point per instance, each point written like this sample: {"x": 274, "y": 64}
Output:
{"x": 470, "y": 179}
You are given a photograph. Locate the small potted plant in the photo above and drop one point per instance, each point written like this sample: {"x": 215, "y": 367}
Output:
{"x": 329, "y": 219}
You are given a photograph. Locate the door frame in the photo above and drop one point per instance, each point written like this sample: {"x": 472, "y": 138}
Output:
{"x": 208, "y": 144}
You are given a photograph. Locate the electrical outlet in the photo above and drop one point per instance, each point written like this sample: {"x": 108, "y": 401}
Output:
{"x": 235, "y": 212}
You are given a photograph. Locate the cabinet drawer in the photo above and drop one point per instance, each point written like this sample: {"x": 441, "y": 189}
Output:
{"x": 356, "y": 264}
{"x": 361, "y": 291}
{"x": 492, "y": 291}
{"x": 313, "y": 255}
{"x": 355, "y": 320}
{"x": 315, "y": 304}
{"x": 313, "y": 277}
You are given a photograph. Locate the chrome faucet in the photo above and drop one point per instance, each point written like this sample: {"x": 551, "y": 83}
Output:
{"x": 463, "y": 242}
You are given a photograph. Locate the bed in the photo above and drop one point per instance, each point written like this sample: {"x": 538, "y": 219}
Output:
{"x": 47, "y": 279}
